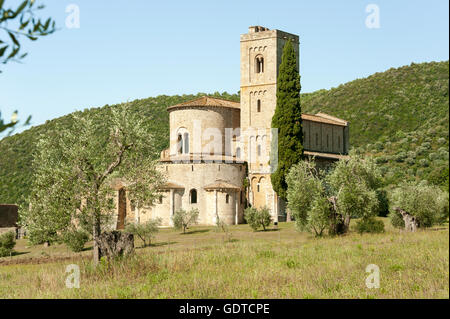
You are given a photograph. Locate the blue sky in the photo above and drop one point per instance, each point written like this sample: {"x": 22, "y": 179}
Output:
{"x": 125, "y": 50}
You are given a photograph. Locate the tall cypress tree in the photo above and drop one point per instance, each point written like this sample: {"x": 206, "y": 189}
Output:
{"x": 287, "y": 119}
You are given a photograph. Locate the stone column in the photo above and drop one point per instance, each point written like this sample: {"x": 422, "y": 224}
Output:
{"x": 216, "y": 213}
{"x": 274, "y": 206}
{"x": 236, "y": 208}
{"x": 137, "y": 217}
{"x": 171, "y": 203}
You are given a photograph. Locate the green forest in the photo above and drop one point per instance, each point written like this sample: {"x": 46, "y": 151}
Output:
{"x": 399, "y": 116}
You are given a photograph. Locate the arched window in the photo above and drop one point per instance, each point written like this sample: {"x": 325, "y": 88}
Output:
{"x": 160, "y": 199}
{"x": 259, "y": 64}
{"x": 238, "y": 152}
{"x": 258, "y": 106}
{"x": 180, "y": 144}
{"x": 227, "y": 199}
{"x": 257, "y": 187}
{"x": 182, "y": 141}
{"x": 193, "y": 196}
{"x": 259, "y": 150}
{"x": 186, "y": 143}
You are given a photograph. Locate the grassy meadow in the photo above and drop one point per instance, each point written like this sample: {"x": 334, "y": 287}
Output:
{"x": 204, "y": 263}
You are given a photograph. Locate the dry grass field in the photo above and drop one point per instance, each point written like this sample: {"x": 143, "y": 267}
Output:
{"x": 204, "y": 263}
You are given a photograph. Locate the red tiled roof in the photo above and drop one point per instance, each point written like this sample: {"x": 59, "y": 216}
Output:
{"x": 324, "y": 118}
{"x": 220, "y": 184}
{"x": 326, "y": 155}
{"x": 208, "y": 101}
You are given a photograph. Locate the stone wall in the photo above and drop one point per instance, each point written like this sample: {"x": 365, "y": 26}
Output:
{"x": 323, "y": 137}
{"x": 196, "y": 176}
{"x": 201, "y": 123}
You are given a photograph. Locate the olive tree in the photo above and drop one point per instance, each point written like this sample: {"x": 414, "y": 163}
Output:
{"x": 145, "y": 231}
{"x": 418, "y": 206}
{"x": 182, "y": 219}
{"x": 257, "y": 218}
{"x": 353, "y": 185}
{"x": 307, "y": 199}
{"x": 75, "y": 167}
{"x": 319, "y": 201}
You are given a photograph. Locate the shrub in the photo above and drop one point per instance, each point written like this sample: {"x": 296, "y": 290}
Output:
{"x": 183, "y": 219}
{"x": 443, "y": 155}
{"x": 410, "y": 161}
{"x": 441, "y": 140}
{"x": 257, "y": 218}
{"x": 383, "y": 202}
{"x": 421, "y": 150}
{"x": 396, "y": 219}
{"x": 433, "y": 156}
{"x": 400, "y": 157}
{"x": 425, "y": 202}
{"x": 440, "y": 176}
{"x": 381, "y": 160}
{"x": 443, "y": 208}
{"x": 426, "y": 145}
{"x": 369, "y": 225}
{"x": 7, "y": 243}
{"x": 404, "y": 141}
{"x": 424, "y": 162}
{"x": 145, "y": 231}
{"x": 75, "y": 239}
{"x": 412, "y": 154}
{"x": 379, "y": 146}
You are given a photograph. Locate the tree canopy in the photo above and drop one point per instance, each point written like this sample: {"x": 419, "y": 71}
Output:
{"x": 76, "y": 169}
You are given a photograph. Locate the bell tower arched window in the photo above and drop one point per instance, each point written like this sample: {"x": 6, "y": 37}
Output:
{"x": 180, "y": 144}
{"x": 182, "y": 141}
{"x": 186, "y": 143}
{"x": 259, "y": 64}
{"x": 258, "y": 106}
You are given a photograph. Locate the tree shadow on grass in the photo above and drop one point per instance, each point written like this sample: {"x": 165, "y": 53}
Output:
{"x": 158, "y": 244}
{"x": 195, "y": 231}
{"x": 267, "y": 230}
{"x": 18, "y": 253}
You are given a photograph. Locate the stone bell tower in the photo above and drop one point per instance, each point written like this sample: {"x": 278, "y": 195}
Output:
{"x": 261, "y": 51}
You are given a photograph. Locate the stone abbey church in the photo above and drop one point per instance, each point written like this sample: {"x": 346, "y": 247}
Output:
{"x": 219, "y": 156}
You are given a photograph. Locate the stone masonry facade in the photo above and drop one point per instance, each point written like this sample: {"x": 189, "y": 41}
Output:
{"x": 218, "y": 159}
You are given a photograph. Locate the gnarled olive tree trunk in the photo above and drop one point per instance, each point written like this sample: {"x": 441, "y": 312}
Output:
{"x": 115, "y": 244}
{"x": 339, "y": 224}
{"x": 411, "y": 223}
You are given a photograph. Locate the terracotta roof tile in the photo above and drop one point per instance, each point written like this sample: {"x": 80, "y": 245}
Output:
{"x": 221, "y": 184}
{"x": 324, "y": 118}
{"x": 208, "y": 101}
{"x": 171, "y": 185}
{"x": 326, "y": 155}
